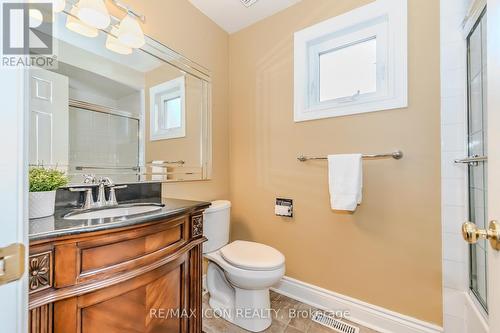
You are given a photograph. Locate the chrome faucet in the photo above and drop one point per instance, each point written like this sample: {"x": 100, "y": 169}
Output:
{"x": 89, "y": 179}
{"x": 112, "y": 194}
{"x": 89, "y": 199}
{"x": 101, "y": 193}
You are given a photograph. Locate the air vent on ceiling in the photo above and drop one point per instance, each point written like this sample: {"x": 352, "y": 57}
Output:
{"x": 334, "y": 324}
{"x": 248, "y": 3}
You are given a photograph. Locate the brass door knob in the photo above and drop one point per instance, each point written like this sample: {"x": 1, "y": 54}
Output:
{"x": 472, "y": 234}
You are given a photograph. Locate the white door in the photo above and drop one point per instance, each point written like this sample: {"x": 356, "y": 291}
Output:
{"x": 48, "y": 139}
{"x": 13, "y": 199}
{"x": 493, "y": 113}
{"x": 488, "y": 287}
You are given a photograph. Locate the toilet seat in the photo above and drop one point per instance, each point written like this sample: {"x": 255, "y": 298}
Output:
{"x": 252, "y": 256}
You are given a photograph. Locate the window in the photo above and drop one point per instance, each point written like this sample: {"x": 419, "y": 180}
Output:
{"x": 352, "y": 63}
{"x": 172, "y": 113}
{"x": 357, "y": 63}
{"x": 167, "y": 104}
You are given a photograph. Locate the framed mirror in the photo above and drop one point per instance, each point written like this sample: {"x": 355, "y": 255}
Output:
{"x": 132, "y": 115}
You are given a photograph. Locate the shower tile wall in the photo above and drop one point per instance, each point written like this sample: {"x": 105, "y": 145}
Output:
{"x": 453, "y": 146}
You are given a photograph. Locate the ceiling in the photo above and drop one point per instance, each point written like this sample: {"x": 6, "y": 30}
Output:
{"x": 232, "y": 15}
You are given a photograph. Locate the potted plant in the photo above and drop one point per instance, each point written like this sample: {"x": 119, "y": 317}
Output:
{"x": 43, "y": 185}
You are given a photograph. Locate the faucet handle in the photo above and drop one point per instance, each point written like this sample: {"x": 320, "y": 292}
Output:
{"x": 89, "y": 199}
{"x": 118, "y": 187}
{"x": 89, "y": 179}
{"x": 112, "y": 195}
{"x": 106, "y": 181}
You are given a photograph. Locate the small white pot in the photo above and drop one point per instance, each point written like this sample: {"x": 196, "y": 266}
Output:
{"x": 42, "y": 204}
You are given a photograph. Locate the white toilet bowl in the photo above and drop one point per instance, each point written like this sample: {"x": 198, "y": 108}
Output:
{"x": 239, "y": 273}
{"x": 238, "y": 279}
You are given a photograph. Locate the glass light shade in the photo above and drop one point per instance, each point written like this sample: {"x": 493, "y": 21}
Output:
{"x": 114, "y": 44}
{"x": 94, "y": 13}
{"x": 130, "y": 33}
{"x": 75, "y": 25}
{"x": 58, "y": 5}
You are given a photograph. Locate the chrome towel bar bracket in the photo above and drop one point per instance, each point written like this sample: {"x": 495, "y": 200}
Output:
{"x": 397, "y": 155}
{"x": 472, "y": 160}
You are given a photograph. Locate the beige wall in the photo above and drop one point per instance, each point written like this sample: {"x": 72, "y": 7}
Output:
{"x": 186, "y": 148}
{"x": 389, "y": 252}
{"x": 179, "y": 25}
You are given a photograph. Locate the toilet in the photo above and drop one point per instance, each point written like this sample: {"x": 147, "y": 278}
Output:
{"x": 240, "y": 273}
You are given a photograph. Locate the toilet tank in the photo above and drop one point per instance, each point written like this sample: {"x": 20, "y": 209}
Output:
{"x": 216, "y": 225}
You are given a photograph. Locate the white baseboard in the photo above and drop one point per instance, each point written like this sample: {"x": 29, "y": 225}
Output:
{"x": 368, "y": 315}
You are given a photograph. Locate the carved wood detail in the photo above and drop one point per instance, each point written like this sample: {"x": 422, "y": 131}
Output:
{"x": 40, "y": 271}
{"x": 40, "y": 319}
{"x": 197, "y": 225}
{"x": 196, "y": 287}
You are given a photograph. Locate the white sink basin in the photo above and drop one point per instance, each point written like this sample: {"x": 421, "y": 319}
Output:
{"x": 113, "y": 212}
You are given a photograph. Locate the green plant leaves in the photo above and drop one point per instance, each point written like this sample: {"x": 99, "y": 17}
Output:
{"x": 42, "y": 179}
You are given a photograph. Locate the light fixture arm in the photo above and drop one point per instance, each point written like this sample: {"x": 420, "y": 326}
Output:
{"x": 129, "y": 10}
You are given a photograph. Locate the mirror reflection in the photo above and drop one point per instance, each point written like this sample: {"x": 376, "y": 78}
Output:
{"x": 132, "y": 115}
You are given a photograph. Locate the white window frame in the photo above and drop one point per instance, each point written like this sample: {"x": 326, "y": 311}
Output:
{"x": 385, "y": 20}
{"x": 166, "y": 91}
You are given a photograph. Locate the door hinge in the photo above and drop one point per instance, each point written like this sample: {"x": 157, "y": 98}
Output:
{"x": 11, "y": 263}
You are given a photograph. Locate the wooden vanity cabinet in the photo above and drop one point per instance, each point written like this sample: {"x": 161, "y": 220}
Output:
{"x": 141, "y": 279}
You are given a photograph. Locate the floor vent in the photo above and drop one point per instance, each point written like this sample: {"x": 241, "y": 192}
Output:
{"x": 334, "y": 324}
{"x": 248, "y": 3}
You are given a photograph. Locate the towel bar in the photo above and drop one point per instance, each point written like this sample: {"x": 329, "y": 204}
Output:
{"x": 397, "y": 155}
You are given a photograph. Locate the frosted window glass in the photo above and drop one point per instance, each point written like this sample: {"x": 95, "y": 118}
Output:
{"x": 172, "y": 116}
{"x": 346, "y": 71}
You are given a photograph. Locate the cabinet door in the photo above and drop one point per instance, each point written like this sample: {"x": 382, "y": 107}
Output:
{"x": 154, "y": 302}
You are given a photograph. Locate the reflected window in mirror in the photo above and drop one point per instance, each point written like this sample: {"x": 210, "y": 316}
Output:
{"x": 172, "y": 113}
{"x": 167, "y": 102}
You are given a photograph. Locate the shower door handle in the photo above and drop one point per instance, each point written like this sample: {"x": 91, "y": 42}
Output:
{"x": 473, "y": 160}
{"x": 471, "y": 234}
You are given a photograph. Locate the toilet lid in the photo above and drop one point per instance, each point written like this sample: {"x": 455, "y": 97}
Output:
{"x": 252, "y": 256}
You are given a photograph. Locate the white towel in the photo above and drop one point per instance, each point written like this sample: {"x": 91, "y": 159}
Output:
{"x": 159, "y": 170}
{"x": 345, "y": 180}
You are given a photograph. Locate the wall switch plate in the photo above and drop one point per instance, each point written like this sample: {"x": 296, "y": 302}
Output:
{"x": 283, "y": 207}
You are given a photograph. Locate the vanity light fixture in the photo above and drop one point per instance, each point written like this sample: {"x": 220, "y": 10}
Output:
{"x": 58, "y": 5}
{"x": 76, "y": 25}
{"x": 130, "y": 32}
{"x": 94, "y": 13}
{"x": 115, "y": 45}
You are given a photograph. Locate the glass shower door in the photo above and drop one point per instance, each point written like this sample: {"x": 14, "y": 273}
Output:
{"x": 477, "y": 146}
{"x": 103, "y": 144}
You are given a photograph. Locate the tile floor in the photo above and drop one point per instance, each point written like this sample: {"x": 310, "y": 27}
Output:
{"x": 282, "y": 323}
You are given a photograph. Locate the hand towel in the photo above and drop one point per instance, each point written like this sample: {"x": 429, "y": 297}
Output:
{"x": 345, "y": 180}
{"x": 159, "y": 172}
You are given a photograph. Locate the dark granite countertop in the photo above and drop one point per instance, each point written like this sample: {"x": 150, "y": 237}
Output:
{"x": 56, "y": 226}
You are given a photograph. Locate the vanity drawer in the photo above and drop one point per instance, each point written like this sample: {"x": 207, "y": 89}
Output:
{"x": 96, "y": 257}
{"x": 109, "y": 254}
